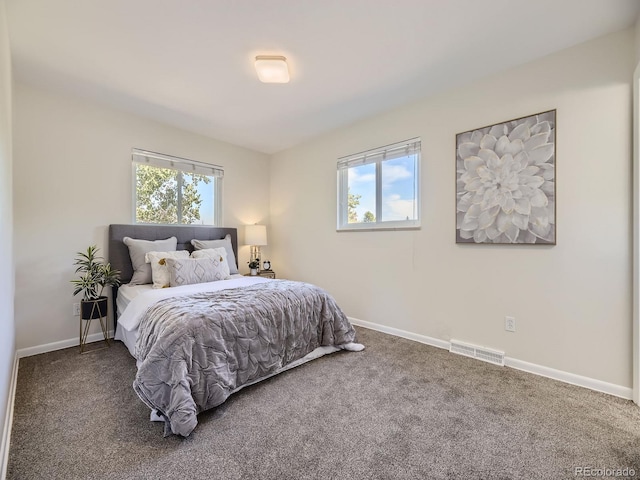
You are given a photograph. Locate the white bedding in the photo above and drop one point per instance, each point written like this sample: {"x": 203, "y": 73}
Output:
{"x": 134, "y": 300}
{"x": 127, "y": 292}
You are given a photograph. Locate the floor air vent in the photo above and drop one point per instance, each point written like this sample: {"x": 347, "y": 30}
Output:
{"x": 481, "y": 353}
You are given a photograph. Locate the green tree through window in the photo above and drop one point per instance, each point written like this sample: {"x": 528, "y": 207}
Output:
{"x": 173, "y": 190}
{"x": 168, "y": 196}
{"x": 354, "y": 201}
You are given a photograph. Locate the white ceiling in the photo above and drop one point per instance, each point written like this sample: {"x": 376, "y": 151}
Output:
{"x": 189, "y": 63}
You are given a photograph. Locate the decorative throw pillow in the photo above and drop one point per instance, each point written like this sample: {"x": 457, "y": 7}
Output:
{"x": 211, "y": 253}
{"x": 196, "y": 270}
{"x": 159, "y": 271}
{"x": 137, "y": 251}
{"x": 219, "y": 254}
{"x": 226, "y": 243}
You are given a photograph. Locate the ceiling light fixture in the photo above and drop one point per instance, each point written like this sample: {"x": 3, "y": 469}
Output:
{"x": 272, "y": 69}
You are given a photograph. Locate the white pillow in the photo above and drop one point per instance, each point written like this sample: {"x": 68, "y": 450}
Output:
{"x": 219, "y": 255}
{"x": 226, "y": 243}
{"x": 159, "y": 272}
{"x": 137, "y": 250}
{"x": 196, "y": 270}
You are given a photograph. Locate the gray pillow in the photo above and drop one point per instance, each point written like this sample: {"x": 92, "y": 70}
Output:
{"x": 226, "y": 243}
{"x": 137, "y": 251}
{"x": 187, "y": 271}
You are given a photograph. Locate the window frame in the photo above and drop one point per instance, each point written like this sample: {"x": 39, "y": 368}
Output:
{"x": 377, "y": 156}
{"x": 160, "y": 160}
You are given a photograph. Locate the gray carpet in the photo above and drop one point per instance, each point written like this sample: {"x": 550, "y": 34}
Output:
{"x": 399, "y": 409}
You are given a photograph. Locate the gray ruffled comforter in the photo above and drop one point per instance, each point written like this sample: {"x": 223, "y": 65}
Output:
{"x": 195, "y": 350}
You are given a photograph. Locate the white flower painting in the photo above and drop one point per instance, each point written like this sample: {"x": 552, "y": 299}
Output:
{"x": 505, "y": 182}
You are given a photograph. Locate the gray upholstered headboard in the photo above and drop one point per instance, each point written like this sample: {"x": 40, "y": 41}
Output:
{"x": 119, "y": 252}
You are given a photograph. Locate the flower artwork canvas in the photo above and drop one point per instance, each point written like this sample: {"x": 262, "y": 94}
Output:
{"x": 505, "y": 182}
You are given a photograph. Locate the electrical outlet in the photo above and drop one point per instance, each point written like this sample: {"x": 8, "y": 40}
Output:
{"x": 76, "y": 309}
{"x": 510, "y": 324}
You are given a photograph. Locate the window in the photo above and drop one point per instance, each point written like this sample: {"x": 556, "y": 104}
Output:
{"x": 171, "y": 190}
{"x": 379, "y": 188}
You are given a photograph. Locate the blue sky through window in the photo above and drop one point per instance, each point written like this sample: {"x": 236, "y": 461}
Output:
{"x": 206, "y": 209}
{"x": 398, "y": 188}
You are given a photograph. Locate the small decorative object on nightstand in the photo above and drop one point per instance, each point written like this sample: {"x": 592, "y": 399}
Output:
{"x": 266, "y": 265}
{"x": 254, "y": 265}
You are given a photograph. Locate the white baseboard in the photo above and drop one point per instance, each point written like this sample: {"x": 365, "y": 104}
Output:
{"x": 50, "y": 347}
{"x": 572, "y": 378}
{"x": 8, "y": 420}
{"x": 434, "y": 342}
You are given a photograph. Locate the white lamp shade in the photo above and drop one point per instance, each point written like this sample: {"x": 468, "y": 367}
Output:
{"x": 272, "y": 69}
{"x": 255, "y": 235}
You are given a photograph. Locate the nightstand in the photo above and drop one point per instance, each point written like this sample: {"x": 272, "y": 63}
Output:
{"x": 263, "y": 273}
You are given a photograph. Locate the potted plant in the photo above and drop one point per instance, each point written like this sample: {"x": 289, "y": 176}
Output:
{"x": 253, "y": 266}
{"x": 95, "y": 274}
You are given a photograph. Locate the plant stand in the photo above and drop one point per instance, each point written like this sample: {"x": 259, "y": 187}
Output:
{"x": 92, "y": 310}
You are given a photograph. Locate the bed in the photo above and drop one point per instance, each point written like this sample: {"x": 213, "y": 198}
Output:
{"x": 198, "y": 342}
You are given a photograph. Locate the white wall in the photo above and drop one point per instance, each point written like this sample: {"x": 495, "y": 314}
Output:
{"x": 572, "y": 302}
{"x": 73, "y": 177}
{"x": 7, "y": 327}
{"x": 636, "y": 220}
{"x": 637, "y": 39}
